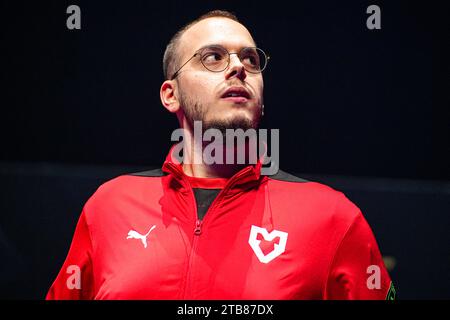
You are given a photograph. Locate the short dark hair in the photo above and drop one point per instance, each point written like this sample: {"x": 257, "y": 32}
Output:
{"x": 170, "y": 61}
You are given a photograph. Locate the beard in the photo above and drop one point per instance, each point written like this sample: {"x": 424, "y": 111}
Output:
{"x": 194, "y": 110}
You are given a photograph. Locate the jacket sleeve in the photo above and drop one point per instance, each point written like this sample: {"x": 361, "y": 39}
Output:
{"x": 357, "y": 270}
{"x": 75, "y": 279}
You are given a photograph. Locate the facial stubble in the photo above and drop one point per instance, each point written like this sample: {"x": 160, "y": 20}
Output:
{"x": 194, "y": 110}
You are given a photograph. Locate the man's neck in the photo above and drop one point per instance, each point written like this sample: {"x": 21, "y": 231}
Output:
{"x": 196, "y": 165}
{"x": 211, "y": 171}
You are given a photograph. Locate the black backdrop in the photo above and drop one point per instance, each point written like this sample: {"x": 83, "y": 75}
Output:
{"x": 365, "y": 111}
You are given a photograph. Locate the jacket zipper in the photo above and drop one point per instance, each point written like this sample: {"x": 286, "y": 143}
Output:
{"x": 197, "y": 230}
{"x": 199, "y": 222}
{"x": 222, "y": 193}
{"x": 198, "y": 227}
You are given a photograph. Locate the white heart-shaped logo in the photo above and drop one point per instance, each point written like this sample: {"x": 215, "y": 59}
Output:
{"x": 278, "y": 247}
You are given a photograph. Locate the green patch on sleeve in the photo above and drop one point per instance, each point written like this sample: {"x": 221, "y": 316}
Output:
{"x": 392, "y": 294}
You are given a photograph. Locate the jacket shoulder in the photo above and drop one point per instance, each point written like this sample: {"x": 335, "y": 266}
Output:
{"x": 126, "y": 186}
{"x": 285, "y": 176}
{"x": 315, "y": 194}
{"x": 149, "y": 173}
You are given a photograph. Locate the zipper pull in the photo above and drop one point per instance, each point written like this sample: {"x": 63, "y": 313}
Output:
{"x": 198, "y": 228}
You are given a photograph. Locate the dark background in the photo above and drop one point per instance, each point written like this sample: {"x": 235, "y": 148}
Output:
{"x": 364, "y": 111}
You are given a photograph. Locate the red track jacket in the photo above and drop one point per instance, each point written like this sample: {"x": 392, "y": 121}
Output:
{"x": 263, "y": 237}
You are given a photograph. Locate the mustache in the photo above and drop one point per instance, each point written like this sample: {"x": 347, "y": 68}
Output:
{"x": 237, "y": 83}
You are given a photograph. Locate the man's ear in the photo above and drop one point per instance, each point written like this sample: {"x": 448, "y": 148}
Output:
{"x": 168, "y": 97}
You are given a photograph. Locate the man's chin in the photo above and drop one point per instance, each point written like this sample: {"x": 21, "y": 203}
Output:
{"x": 235, "y": 123}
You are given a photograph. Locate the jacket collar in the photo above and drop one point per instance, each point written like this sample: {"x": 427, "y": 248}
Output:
{"x": 173, "y": 165}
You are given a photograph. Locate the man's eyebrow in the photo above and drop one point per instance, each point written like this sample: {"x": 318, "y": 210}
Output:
{"x": 221, "y": 45}
{"x": 210, "y": 45}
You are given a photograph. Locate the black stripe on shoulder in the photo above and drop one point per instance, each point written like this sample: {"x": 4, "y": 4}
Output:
{"x": 284, "y": 176}
{"x": 149, "y": 173}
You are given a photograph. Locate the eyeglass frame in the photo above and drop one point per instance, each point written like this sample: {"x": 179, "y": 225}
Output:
{"x": 228, "y": 63}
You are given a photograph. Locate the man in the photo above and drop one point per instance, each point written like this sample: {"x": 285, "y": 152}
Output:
{"x": 201, "y": 230}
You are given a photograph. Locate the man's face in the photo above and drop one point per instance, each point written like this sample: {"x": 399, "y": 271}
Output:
{"x": 202, "y": 93}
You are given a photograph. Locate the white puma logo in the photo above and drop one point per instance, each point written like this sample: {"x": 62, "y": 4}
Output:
{"x": 136, "y": 235}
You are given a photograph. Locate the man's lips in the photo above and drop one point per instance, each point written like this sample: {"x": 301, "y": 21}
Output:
{"x": 236, "y": 99}
{"x": 236, "y": 94}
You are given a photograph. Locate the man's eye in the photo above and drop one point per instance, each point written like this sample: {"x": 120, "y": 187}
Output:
{"x": 212, "y": 57}
{"x": 251, "y": 60}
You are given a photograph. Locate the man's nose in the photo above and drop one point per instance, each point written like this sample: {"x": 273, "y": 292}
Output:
{"x": 235, "y": 68}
